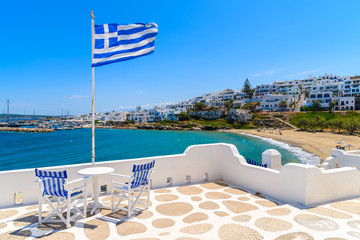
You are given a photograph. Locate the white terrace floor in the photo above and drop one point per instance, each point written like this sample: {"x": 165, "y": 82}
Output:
{"x": 211, "y": 210}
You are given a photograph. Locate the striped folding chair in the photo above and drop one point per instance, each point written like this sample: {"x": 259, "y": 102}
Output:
{"x": 135, "y": 184}
{"x": 54, "y": 186}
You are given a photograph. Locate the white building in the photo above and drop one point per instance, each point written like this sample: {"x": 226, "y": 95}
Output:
{"x": 265, "y": 89}
{"x": 240, "y": 115}
{"x": 217, "y": 99}
{"x": 272, "y": 102}
{"x": 139, "y": 116}
{"x": 289, "y": 87}
{"x": 344, "y": 103}
{"x": 324, "y": 96}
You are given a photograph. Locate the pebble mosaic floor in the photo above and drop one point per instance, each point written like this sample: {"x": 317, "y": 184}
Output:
{"x": 211, "y": 210}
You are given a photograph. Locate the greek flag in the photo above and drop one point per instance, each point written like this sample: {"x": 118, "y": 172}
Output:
{"x": 116, "y": 43}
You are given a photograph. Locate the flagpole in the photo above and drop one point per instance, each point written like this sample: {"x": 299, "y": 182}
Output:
{"x": 93, "y": 90}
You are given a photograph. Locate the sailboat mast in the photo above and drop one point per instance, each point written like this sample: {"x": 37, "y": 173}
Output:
{"x": 8, "y": 111}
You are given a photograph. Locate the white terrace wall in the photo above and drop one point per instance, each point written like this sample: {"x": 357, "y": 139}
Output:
{"x": 340, "y": 158}
{"x": 294, "y": 183}
{"x": 329, "y": 185}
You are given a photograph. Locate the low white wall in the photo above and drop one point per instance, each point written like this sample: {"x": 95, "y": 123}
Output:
{"x": 342, "y": 158}
{"x": 329, "y": 185}
{"x": 294, "y": 183}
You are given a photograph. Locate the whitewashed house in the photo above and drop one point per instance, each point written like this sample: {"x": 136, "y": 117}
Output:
{"x": 344, "y": 103}
{"x": 324, "y": 96}
{"x": 272, "y": 102}
{"x": 240, "y": 115}
{"x": 265, "y": 89}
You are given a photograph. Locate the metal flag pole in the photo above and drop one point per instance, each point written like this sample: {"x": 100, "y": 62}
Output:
{"x": 93, "y": 89}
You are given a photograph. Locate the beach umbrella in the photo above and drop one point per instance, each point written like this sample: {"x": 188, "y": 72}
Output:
{"x": 349, "y": 146}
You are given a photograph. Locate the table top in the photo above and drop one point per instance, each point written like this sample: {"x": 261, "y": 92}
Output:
{"x": 92, "y": 171}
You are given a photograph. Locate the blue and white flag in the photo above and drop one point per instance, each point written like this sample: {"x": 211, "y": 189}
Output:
{"x": 116, "y": 43}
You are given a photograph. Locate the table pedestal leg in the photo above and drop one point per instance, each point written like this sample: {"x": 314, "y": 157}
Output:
{"x": 96, "y": 203}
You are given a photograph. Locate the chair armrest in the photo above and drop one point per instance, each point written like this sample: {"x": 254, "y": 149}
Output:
{"x": 67, "y": 185}
{"x": 76, "y": 181}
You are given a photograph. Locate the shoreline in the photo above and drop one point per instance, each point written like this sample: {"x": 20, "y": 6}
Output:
{"x": 25, "y": 130}
{"x": 319, "y": 143}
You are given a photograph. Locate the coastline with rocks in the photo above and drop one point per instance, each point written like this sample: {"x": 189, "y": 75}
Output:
{"x": 31, "y": 130}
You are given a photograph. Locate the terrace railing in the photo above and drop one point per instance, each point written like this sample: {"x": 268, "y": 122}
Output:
{"x": 255, "y": 163}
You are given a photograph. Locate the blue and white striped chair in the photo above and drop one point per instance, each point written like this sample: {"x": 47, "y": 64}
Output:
{"x": 138, "y": 183}
{"x": 54, "y": 185}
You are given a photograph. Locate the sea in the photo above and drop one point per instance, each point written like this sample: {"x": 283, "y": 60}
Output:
{"x": 35, "y": 150}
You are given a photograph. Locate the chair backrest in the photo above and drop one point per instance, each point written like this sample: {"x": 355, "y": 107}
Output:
{"x": 53, "y": 182}
{"x": 141, "y": 174}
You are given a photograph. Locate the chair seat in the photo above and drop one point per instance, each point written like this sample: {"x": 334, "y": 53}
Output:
{"x": 121, "y": 187}
{"x": 126, "y": 188}
{"x": 76, "y": 193}
{"x": 132, "y": 191}
{"x": 66, "y": 193}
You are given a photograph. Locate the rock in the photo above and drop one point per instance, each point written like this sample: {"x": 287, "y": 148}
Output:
{"x": 209, "y": 127}
{"x": 32, "y": 130}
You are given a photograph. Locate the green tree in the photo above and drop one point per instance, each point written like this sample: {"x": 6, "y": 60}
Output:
{"x": 228, "y": 104}
{"x": 254, "y": 106}
{"x": 351, "y": 126}
{"x": 303, "y": 123}
{"x": 283, "y": 105}
{"x": 199, "y": 106}
{"x": 336, "y": 124}
{"x": 251, "y": 106}
{"x": 184, "y": 116}
{"x": 320, "y": 122}
{"x": 312, "y": 125}
{"x": 331, "y": 106}
{"x": 247, "y": 87}
{"x": 316, "y": 105}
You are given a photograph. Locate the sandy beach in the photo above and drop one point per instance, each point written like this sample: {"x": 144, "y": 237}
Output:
{"x": 319, "y": 143}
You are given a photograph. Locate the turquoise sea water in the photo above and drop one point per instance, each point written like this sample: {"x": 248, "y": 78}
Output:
{"x": 30, "y": 150}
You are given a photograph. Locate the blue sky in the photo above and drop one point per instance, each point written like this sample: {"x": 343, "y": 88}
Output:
{"x": 202, "y": 46}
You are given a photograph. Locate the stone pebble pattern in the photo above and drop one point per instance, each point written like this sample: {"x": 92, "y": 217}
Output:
{"x": 212, "y": 210}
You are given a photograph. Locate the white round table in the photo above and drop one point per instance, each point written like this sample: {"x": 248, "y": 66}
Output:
{"x": 95, "y": 172}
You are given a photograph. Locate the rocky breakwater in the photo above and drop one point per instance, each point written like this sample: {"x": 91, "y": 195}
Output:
{"x": 32, "y": 130}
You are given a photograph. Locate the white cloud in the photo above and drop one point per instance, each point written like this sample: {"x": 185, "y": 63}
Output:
{"x": 270, "y": 72}
{"x": 266, "y": 73}
{"x": 77, "y": 96}
{"x": 303, "y": 73}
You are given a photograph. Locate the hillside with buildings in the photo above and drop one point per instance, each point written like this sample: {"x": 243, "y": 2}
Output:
{"x": 327, "y": 92}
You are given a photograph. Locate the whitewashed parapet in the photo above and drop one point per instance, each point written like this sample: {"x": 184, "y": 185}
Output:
{"x": 294, "y": 183}
{"x": 272, "y": 159}
{"x": 340, "y": 158}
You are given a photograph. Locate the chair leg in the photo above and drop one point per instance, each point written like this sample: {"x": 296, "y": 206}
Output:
{"x": 68, "y": 213}
{"x": 85, "y": 201}
{"x": 148, "y": 198}
{"x": 40, "y": 210}
{"x": 112, "y": 201}
{"x": 130, "y": 205}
